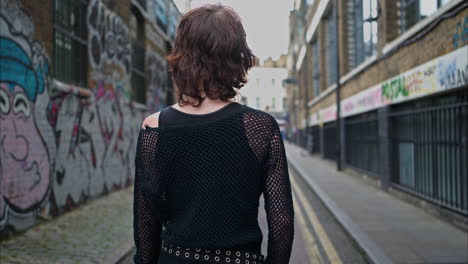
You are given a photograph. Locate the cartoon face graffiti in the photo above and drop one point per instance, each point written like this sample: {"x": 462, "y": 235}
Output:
{"x": 24, "y": 163}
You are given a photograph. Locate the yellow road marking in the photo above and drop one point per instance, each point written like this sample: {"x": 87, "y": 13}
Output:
{"x": 322, "y": 235}
{"x": 311, "y": 246}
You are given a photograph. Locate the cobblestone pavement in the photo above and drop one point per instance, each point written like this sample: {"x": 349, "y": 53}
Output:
{"x": 96, "y": 232}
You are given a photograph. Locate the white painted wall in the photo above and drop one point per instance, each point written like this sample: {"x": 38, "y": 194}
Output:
{"x": 264, "y": 88}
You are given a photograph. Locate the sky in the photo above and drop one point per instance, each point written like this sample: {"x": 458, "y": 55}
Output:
{"x": 266, "y": 24}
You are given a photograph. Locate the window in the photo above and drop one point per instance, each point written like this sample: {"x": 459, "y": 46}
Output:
{"x": 413, "y": 11}
{"x": 70, "y": 42}
{"x": 273, "y": 103}
{"x": 310, "y": 2}
{"x": 142, "y": 3}
{"x": 363, "y": 36}
{"x": 331, "y": 47}
{"x": 137, "y": 35}
{"x": 172, "y": 21}
{"x": 160, "y": 11}
{"x": 316, "y": 68}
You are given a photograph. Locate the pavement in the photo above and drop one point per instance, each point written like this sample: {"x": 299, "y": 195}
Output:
{"x": 100, "y": 231}
{"x": 386, "y": 228}
{"x": 340, "y": 219}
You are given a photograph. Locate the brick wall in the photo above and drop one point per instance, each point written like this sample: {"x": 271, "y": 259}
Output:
{"x": 437, "y": 42}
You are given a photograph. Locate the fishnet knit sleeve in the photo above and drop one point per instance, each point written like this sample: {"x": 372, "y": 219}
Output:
{"x": 146, "y": 223}
{"x": 278, "y": 201}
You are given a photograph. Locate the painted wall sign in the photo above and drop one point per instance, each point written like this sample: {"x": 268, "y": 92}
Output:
{"x": 442, "y": 73}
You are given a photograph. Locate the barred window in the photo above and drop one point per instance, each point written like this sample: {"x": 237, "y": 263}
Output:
{"x": 332, "y": 61}
{"x": 70, "y": 42}
{"x": 160, "y": 11}
{"x": 363, "y": 30}
{"x": 413, "y": 11}
{"x": 315, "y": 67}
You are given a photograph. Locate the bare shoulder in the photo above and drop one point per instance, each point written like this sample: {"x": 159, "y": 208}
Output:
{"x": 151, "y": 120}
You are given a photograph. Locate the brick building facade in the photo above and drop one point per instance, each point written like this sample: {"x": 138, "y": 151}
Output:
{"x": 76, "y": 79}
{"x": 403, "y": 84}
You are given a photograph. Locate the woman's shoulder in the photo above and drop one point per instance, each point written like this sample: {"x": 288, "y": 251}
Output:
{"x": 151, "y": 121}
{"x": 257, "y": 115}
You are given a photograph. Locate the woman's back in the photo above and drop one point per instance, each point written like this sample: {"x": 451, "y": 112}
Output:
{"x": 198, "y": 182}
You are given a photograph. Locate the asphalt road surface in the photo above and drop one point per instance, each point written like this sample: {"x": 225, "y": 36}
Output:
{"x": 319, "y": 238}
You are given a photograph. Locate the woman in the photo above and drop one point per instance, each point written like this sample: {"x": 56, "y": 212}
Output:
{"x": 201, "y": 167}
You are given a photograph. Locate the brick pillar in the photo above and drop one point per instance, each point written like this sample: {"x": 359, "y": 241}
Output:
{"x": 388, "y": 23}
{"x": 343, "y": 36}
{"x": 384, "y": 146}
{"x": 322, "y": 28}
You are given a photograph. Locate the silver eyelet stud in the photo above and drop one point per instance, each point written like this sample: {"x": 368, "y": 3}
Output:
{"x": 187, "y": 254}
{"x": 247, "y": 261}
{"x": 177, "y": 253}
{"x": 197, "y": 256}
{"x": 228, "y": 253}
{"x": 198, "y": 249}
{"x": 207, "y": 257}
{"x": 218, "y": 251}
{"x": 254, "y": 262}
{"x": 237, "y": 260}
{"x": 255, "y": 256}
{"x": 228, "y": 259}
{"x": 217, "y": 258}
{"x": 238, "y": 253}
{"x": 170, "y": 250}
{"x": 207, "y": 251}
{"x": 247, "y": 255}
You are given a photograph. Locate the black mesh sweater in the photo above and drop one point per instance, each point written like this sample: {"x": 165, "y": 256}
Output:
{"x": 213, "y": 171}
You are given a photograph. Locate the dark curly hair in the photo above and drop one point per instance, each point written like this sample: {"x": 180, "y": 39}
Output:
{"x": 210, "y": 54}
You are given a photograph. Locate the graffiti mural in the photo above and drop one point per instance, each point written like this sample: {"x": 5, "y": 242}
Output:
{"x": 61, "y": 145}
{"x": 94, "y": 135}
{"x": 156, "y": 81}
{"x": 109, "y": 40}
{"x": 24, "y": 153}
{"x": 58, "y": 149}
{"x": 460, "y": 37}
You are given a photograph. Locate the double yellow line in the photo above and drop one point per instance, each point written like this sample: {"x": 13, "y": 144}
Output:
{"x": 312, "y": 245}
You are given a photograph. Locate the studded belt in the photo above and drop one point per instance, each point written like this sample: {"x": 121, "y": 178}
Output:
{"x": 214, "y": 255}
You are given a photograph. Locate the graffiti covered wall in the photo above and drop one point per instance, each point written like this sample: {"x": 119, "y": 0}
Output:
{"x": 58, "y": 149}
{"x": 156, "y": 69}
{"x": 25, "y": 150}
